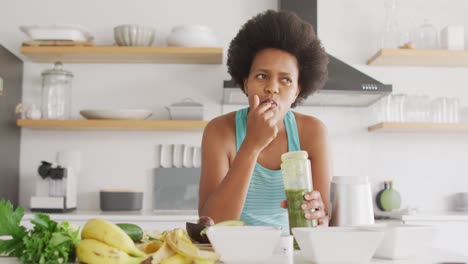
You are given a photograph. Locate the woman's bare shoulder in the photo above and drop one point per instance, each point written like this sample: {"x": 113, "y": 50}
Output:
{"x": 309, "y": 123}
{"x": 221, "y": 128}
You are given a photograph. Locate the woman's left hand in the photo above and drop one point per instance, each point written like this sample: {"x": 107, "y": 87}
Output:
{"x": 313, "y": 200}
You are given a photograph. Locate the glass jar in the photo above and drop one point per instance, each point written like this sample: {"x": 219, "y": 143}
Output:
{"x": 391, "y": 35}
{"x": 56, "y": 93}
{"x": 426, "y": 36}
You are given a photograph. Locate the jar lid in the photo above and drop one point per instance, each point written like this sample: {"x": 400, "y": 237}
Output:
{"x": 301, "y": 154}
{"x": 57, "y": 70}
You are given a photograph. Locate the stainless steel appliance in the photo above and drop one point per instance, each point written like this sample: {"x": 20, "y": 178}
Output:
{"x": 11, "y": 79}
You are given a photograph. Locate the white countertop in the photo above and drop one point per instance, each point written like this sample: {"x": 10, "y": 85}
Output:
{"x": 83, "y": 215}
{"x": 436, "y": 216}
{"x": 436, "y": 256}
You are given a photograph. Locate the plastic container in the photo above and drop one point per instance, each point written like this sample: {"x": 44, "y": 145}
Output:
{"x": 187, "y": 109}
{"x": 56, "y": 93}
{"x": 121, "y": 200}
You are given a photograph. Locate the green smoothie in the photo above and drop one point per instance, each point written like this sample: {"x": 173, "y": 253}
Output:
{"x": 296, "y": 214}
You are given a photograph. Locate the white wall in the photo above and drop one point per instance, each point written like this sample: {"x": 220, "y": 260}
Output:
{"x": 426, "y": 168}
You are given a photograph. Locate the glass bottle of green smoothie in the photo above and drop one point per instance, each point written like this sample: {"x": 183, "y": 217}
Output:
{"x": 297, "y": 178}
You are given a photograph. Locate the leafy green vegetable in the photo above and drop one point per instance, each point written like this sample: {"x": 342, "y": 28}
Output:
{"x": 48, "y": 242}
{"x": 10, "y": 226}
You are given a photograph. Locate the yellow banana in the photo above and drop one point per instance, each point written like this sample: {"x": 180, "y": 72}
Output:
{"x": 110, "y": 234}
{"x": 95, "y": 252}
{"x": 176, "y": 259}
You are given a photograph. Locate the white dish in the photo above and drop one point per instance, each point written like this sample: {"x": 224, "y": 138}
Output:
{"x": 187, "y": 109}
{"x": 337, "y": 244}
{"x": 192, "y": 36}
{"x": 56, "y": 32}
{"x": 116, "y": 114}
{"x": 404, "y": 241}
{"x": 244, "y": 244}
{"x": 134, "y": 35}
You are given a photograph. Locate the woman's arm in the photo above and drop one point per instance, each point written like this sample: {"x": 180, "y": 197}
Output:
{"x": 223, "y": 189}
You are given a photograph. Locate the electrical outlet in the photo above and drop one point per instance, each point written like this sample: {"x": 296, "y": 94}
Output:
{"x": 1, "y": 86}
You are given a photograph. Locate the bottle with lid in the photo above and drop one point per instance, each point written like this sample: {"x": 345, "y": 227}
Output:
{"x": 297, "y": 178}
{"x": 390, "y": 198}
{"x": 379, "y": 195}
{"x": 56, "y": 93}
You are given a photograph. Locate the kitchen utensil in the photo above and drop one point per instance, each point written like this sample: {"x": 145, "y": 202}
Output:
{"x": 404, "y": 241}
{"x": 196, "y": 157}
{"x": 134, "y": 35}
{"x": 56, "y": 93}
{"x": 116, "y": 114}
{"x": 56, "y": 32}
{"x": 178, "y": 155}
{"x": 243, "y": 244}
{"x": 192, "y": 36}
{"x": 166, "y": 155}
{"x": 56, "y": 188}
{"x": 297, "y": 178}
{"x": 337, "y": 244}
{"x": 121, "y": 200}
{"x": 351, "y": 201}
{"x": 188, "y": 156}
{"x": 187, "y": 109}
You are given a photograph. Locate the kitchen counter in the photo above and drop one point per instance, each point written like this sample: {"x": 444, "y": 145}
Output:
{"x": 436, "y": 256}
{"x": 84, "y": 215}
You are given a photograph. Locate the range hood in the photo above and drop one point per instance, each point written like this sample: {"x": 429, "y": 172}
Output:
{"x": 346, "y": 86}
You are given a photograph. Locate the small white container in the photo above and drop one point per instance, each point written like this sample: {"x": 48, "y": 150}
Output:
{"x": 452, "y": 38}
{"x": 404, "y": 241}
{"x": 187, "y": 109}
{"x": 244, "y": 244}
{"x": 351, "y": 245}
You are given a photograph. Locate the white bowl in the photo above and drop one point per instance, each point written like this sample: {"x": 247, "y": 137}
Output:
{"x": 134, "y": 35}
{"x": 191, "y": 36}
{"x": 117, "y": 114}
{"x": 243, "y": 244}
{"x": 337, "y": 244}
{"x": 404, "y": 241}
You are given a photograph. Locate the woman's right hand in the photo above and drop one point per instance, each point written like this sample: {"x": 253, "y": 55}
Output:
{"x": 261, "y": 122}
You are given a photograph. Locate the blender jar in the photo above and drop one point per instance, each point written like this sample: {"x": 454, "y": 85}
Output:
{"x": 56, "y": 93}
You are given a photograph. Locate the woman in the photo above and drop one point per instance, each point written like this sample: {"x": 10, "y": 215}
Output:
{"x": 278, "y": 61}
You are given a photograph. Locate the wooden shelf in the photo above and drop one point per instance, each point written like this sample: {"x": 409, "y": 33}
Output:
{"x": 417, "y": 127}
{"x": 112, "y": 124}
{"x": 117, "y": 54}
{"x": 422, "y": 58}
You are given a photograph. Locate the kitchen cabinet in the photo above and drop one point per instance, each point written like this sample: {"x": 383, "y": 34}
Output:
{"x": 121, "y": 54}
{"x": 112, "y": 124}
{"x": 420, "y": 57}
{"x": 417, "y": 127}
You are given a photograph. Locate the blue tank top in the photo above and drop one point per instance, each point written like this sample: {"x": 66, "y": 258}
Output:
{"x": 266, "y": 189}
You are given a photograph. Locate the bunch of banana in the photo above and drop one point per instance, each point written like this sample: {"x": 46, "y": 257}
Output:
{"x": 105, "y": 243}
{"x": 177, "y": 248}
